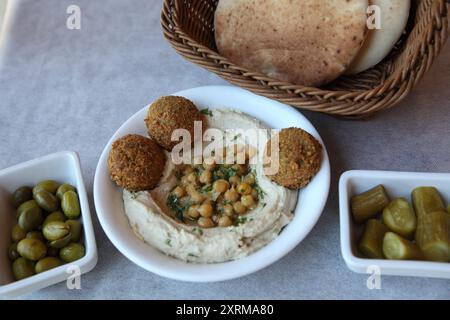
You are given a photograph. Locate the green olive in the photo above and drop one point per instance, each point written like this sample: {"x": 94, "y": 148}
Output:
{"x": 27, "y": 205}
{"x": 31, "y": 218}
{"x": 46, "y": 200}
{"x": 70, "y": 205}
{"x": 72, "y": 252}
{"x": 47, "y": 185}
{"x": 52, "y": 252}
{"x": 23, "y": 268}
{"x": 13, "y": 254}
{"x": 32, "y": 249}
{"x": 35, "y": 235}
{"x": 54, "y": 216}
{"x": 17, "y": 233}
{"x": 60, "y": 243}
{"x": 63, "y": 189}
{"x": 75, "y": 229}
{"x": 55, "y": 230}
{"x": 47, "y": 263}
{"x": 21, "y": 195}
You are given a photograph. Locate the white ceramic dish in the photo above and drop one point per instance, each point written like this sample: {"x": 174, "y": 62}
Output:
{"x": 397, "y": 184}
{"x": 110, "y": 210}
{"x": 63, "y": 167}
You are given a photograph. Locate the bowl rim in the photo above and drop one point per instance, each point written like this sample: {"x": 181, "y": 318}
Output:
{"x": 241, "y": 270}
{"x": 88, "y": 262}
{"x": 388, "y": 267}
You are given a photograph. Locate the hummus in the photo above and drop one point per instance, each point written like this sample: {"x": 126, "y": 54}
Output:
{"x": 153, "y": 221}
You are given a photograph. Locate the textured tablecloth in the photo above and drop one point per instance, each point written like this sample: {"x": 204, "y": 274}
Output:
{"x": 71, "y": 89}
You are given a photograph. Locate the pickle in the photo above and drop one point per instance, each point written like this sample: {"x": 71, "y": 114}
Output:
{"x": 426, "y": 200}
{"x": 399, "y": 217}
{"x": 366, "y": 205}
{"x": 397, "y": 248}
{"x": 371, "y": 244}
{"x": 433, "y": 236}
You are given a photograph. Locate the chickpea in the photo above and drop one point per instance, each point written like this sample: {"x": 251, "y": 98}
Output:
{"x": 240, "y": 169}
{"x": 193, "y": 212}
{"x": 184, "y": 180}
{"x": 179, "y": 192}
{"x": 221, "y": 186}
{"x": 209, "y": 164}
{"x": 192, "y": 177}
{"x": 206, "y": 210}
{"x": 255, "y": 194}
{"x": 205, "y": 222}
{"x": 239, "y": 208}
{"x": 248, "y": 201}
{"x": 225, "y": 222}
{"x": 231, "y": 195}
{"x": 208, "y": 201}
{"x": 197, "y": 197}
{"x": 235, "y": 180}
{"x": 206, "y": 177}
{"x": 250, "y": 179}
{"x": 228, "y": 210}
{"x": 244, "y": 188}
{"x": 188, "y": 170}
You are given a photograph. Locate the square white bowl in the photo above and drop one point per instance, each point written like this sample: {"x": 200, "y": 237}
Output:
{"x": 62, "y": 167}
{"x": 397, "y": 184}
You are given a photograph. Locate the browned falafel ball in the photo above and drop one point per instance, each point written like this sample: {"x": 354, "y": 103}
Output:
{"x": 168, "y": 114}
{"x": 300, "y": 158}
{"x": 136, "y": 163}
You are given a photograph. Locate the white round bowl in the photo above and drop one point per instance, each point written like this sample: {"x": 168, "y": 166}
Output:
{"x": 312, "y": 199}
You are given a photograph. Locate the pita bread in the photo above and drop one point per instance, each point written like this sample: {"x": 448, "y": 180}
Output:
{"x": 379, "y": 42}
{"x": 306, "y": 42}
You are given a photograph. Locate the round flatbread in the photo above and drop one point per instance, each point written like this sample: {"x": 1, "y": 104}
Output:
{"x": 379, "y": 42}
{"x": 306, "y": 42}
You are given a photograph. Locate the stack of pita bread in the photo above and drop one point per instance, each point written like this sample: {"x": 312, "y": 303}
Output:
{"x": 308, "y": 42}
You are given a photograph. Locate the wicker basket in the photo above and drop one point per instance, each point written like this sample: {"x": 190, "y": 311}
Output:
{"x": 189, "y": 26}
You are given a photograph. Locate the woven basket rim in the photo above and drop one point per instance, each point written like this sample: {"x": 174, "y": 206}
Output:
{"x": 392, "y": 88}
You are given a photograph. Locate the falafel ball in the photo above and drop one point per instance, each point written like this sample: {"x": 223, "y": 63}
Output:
{"x": 168, "y": 114}
{"x": 300, "y": 156}
{"x": 136, "y": 163}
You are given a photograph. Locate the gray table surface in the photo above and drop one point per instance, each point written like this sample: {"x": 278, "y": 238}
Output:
{"x": 71, "y": 89}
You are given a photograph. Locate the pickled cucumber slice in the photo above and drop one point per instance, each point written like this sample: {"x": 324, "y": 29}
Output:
{"x": 433, "y": 236}
{"x": 399, "y": 217}
{"x": 371, "y": 244}
{"x": 368, "y": 204}
{"x": 426, "y": 200}
{"x": 397, "y": 248}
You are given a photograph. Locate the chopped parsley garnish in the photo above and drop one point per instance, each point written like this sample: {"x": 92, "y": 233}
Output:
{"x": 192, "y": 255}
{"x": 134, "y": 195}
{"x": 199, "y": 231}
{"x": 261, "y": 192}
{"x": 207, "y": 188}
{"x": 237, "y": 137}
{"x": 224, "y": 173}
{"x": 175, "y": 204}
{"x": 168, "y": 242}
{"x": 240, "y": 220}
{"x": 207, "y": 112}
